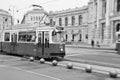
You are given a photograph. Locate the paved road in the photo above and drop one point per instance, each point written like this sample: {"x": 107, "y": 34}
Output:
{"x": 93, "y": 56}
{"x": 13, "y": 68}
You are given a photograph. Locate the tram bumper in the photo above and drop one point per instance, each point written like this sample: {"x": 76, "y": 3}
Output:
{"x": 57, "y": 54}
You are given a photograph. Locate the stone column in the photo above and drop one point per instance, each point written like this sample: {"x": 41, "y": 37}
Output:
{"x": 112, "y": 4}
{"x": 98, "y": 11}
{"x": 115, "y": 5}
{"x": 107, "y": 28}
{"x": 112, "y": 31}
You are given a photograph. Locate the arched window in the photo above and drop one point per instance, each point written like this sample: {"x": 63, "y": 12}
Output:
{"x": 73, "y": 20}
{"x": 104, "y": 6}
{"x": 31, "y": 18}
{"x": 80, "y": 19}
{"x": 118, "y": 5}
{"x": 36, "y": 18}
{"x": 51, "y": 22}
{"x": 118, "y": 27}
{"x": 66, "y": 21}
{"x": 60, "y": 21}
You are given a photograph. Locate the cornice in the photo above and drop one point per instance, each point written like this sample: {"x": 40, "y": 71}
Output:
{"x": 85, "y": 8}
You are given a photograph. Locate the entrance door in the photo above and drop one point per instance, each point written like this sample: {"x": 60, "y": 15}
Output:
{"x": 43, "y": 44}
{"x": 14, "y": 43}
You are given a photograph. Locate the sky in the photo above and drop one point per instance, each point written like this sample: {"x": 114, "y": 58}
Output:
{"x": 48, "y": 5}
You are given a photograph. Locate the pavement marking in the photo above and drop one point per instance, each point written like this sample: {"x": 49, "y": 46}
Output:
{"x": 68, "y": 55}
{"x": 1, "y": 60}
{"x": 73, "y": 55}
{"x": 31, "y": 72}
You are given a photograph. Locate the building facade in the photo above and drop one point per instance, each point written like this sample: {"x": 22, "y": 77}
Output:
{"x": 106, "y": 22}
{"x": 6, "y": 21}
{"x": 35, "y": 17}
{"x": 74, "y": 21}
{"x": 98, "y": 21}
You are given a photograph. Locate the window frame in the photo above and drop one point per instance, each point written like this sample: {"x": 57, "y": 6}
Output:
{"x": 80, "y": 19}
{"x": 60, "y": 21}
{"x": 66, "y": 21}
{"x": 26, "y": 34}
{"x": 73, "y": 20}
{"x": 5, "y": 37}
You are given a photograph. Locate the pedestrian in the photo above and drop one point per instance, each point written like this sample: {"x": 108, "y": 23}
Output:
{"x": 92, "y": 43}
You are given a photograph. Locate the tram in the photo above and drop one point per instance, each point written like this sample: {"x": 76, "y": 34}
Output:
{"x": 43, "y": 42}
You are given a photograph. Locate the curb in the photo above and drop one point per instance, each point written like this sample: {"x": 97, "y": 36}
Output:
{"x": 107, "y": 72}
{"x": 96, "y": 48}
{"x": 93, "y": 63}
{"x": 82, "y": 66}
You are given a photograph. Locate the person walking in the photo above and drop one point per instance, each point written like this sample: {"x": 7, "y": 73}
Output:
{"x": 92, "y": 43}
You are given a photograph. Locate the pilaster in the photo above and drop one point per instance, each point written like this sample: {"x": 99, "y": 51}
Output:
{"x": 107, "y": 28}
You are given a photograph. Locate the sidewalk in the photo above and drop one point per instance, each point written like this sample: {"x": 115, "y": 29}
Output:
{"x": 95, "y": 68}
{"x": 88, "y": 46}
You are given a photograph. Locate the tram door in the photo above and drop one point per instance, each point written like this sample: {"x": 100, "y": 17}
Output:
{"x": 14, "y": 43}
{"x": 43, "y": 44}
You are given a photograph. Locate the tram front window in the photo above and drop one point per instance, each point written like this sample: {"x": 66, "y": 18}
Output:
{"x": 57, "y": 36}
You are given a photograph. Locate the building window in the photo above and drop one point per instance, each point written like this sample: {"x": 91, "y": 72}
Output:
{"x": 36, "y": 18}
{"x": 118, "y": 27}
{"x": 66, "y": 37}
{"x": 103, "y": 30}
{"x": 51, "y": 22}
{"x": 60, "y": 21}
{"x": 31, "y": 18}
{"x": 80, "y": 37}
{"x": 73, "y": 20}
{"x": 80, "y": 20}
{"x": 118, "y": 5}
{"x": 104, "y": 7}
{"x": 39, "y": 18}
{"x": 66, "y": 21}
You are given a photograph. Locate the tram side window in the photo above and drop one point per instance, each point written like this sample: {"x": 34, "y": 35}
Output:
{"x": 7, "y": 37}
{"x": 22, "y": 36}
{"x": 27, "y": 36}
{"x": 30, "y": 37}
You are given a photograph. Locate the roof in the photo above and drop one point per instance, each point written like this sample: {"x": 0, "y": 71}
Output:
{"x": 70, "y": 10}
{"x": 4, "y": 12}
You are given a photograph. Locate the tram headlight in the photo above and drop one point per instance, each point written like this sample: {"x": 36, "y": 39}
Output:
{"x": 61, "y": 47}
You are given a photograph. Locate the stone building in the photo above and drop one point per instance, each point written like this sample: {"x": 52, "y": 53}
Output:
{"x": 107, "y": 20}
{"x": 6, "y": 21}
{"x": 74, "y": 21}
{"x": 35, "y": 17}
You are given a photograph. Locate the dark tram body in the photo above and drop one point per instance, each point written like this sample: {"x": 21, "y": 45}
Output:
{"x": 44, "y": 42}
